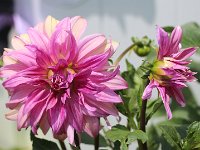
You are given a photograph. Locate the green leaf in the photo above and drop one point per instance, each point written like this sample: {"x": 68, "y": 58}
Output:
{"x": 172, "y": 136}
{"x": 137, "y": 135}
{"x": 118, "y": 132}
{"x": 191, "y": 35}
{"x": 124, "y": 145}
{"x": 156, "y": 105}
{"x": 129, "y": 107}
{"x": 194, "y": 67}
{"x": 129, "y": 66}
{"x": 168, "y": 29}
{"x": 86, "y": 139}
{"x": 42, "y": 144}
{"x": 192, "y": 141}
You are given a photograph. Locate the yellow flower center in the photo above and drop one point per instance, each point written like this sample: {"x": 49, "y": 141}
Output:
{"x": 157, "y": 72}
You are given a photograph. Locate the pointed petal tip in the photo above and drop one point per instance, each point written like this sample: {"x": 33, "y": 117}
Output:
{"x": 169, "y": 116}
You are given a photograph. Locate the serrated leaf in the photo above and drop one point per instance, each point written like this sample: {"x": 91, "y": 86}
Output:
{"x": 118, "y": 132}
{"x": 42, "y": 144}
{"x": 191, "y": 35}
{"x": 172, "y": 136}
{"x": 137, "y": 135}
{"x": 192, "y": 140}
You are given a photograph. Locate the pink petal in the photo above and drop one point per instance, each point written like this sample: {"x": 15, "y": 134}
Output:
{"x": 44, "y": 124}
{"x": 70, "y": 134}
{"x": 57, "y": 116}
{"x": 36, "y": 114}
{"x": 52, "y": 102}
{"x": 178, "y": 96}
{"x": 18, "y": 42}
{"x": 38, "y": 39}
{"x": 12, "y": 69}
{"x": 148, "y": 90}
{"x": 49, "y": 25}
{"x": 163, "y": 42}
{"x": 19, "y": 96}
{"x": 185, "y": 53}
{"x": 21, "y": 118}
{"x": 12, "y": 115}
{"x": 117, "y": 83}
{"x": 94, "y": 62}
{"x": 166, "y": 101}
{"x": 91, "y": 45}
{"x": 26, "y": 58}
{"x": 76, "y": 115}
{"x": 104, "y": 107}
{"x": 78, "y": 25}
{"x": 92, "y": 125}
{"x": 175, "y": 40}
{"x": 100, "y": 77}
{"x": 63, "y": 45}
{"x": 92, "y": 88}
{"x": 107, "y": 95}
{"x": 34, "y": 98}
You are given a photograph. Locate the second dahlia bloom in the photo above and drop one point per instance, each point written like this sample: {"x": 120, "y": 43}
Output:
{"x": 170, "y": 72}
{"x": 57, "y": 80}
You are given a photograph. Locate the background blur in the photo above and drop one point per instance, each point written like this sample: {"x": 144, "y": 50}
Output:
{"x": 119, "y": 19}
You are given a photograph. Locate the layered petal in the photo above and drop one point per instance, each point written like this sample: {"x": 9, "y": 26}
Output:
{"x": 148, "y": 90}
{"x": 58, "y": 81}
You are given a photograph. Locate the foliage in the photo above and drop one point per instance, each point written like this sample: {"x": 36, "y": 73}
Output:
{"x": 42, "y": 144}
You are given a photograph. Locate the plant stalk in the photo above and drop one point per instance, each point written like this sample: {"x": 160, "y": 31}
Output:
{"x": 96, "y": 140}
{"x": 123, "y": 54}
{"x": 62, "y": 145}
{"x": 143, "y": 146}
{"x": 76, "y": 140}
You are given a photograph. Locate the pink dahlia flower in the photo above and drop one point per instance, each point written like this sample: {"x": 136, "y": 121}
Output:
{"x": 57, "y": 80}
{"x": 170, "y": 72}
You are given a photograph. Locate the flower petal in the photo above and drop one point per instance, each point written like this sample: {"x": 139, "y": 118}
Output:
{"x": 175, "y": 40}
{"x": 49, "y": 25}
{"x": 178, "y": 96}
{"x": 92, "y": 125}
{"x": 70, "y": 134}
{"x": 116, "y": 83}
{"x": 57, "y": 116}
{"x": 91, "y": 45}
{"x": 185, "y": 53}
{"x": 78, "y": 25}
{"x": 166, "y": 101}
{"x": 148, "y": 90}
{"x": 163, "y": 42}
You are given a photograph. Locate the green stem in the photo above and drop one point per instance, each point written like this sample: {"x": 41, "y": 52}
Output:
{"x": 76, "y": 140}
{"x": 153, "y": 112}
{"x": 62, "y": 145}
{"x": 96, "y": 140}
{"x": 143, "y": 146}
{"x": 123, "y": 54}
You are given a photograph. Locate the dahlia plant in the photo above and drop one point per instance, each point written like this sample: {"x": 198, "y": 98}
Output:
{"x": 60, "y": 81}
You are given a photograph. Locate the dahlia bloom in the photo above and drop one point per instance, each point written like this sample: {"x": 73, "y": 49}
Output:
{"x": 57, "y": 80}
{"x": 170, "y": 72}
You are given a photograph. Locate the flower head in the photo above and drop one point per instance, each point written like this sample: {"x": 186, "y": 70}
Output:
{"x": 170, "y": 72}
{"x": 57, "y": 80}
